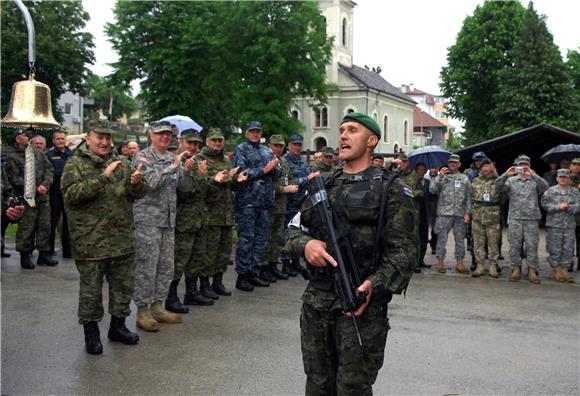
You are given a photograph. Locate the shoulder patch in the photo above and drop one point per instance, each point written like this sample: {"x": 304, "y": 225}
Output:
{"x": 408, "y": 191}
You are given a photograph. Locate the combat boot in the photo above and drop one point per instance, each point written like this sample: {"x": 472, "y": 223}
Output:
{"x": 192, "y": 295}
{"x": 26, "y": 261}
{"x": 493, "y": 271}
{"x": 92, "y": 338}
{"x": 255, "y": 280}
{"x": 277, "y": 273}
{"x": 243, "y": 283}
{"x": 172, "y": 303}
{"x": 516, "y": 274}
{"x": 533, "y": 276}
{"x": 292, "y": 271}
{"x": 162, "y": 316}
{"x": 206, "y": 289}
{"x": 479, "y": 270}
{"x": 441, "y": 266}
{"x": 460, "y": 267}
{"x": 45, "y": 258}
{"x": 145, "y": 320}
{"x": 266, "y": 275}
{"x": 218, "y": 285}
{"x": 119, "y": 332}
{"x": 561, "y": 275}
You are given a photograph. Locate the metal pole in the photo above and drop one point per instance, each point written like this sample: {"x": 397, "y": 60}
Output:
{"x": 31, "y": 34}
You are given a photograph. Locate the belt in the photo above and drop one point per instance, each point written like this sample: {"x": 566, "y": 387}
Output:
{"x": 482, "y": 203}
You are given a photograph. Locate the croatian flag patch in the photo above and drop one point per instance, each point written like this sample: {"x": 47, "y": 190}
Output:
{"x": 408, "y": 191}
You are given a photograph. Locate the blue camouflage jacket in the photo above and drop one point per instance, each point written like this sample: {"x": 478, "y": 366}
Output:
{"x": 258, "y": 191}
{"x": 300, "y": 171}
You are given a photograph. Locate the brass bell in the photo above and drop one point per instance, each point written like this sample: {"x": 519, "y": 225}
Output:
{"x": 30, "y": 106}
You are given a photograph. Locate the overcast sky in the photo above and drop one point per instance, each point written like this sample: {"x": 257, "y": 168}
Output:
{"x": 407, "y": 38}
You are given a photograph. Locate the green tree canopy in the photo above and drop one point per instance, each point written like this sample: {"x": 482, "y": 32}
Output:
{"x": 535, "y": 87}
{"x": 101, "y": 90}
{"x": 573, "y": 64}
{"x": 223, "y": 63}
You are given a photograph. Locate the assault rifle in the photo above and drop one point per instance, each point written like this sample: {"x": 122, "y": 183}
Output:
{"x": 346, "y": 274}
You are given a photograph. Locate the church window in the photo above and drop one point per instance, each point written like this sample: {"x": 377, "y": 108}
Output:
{"x": 406, "y": 133}
{"x": 386, "y": 129}
{"x": 321, "y": 117}
{"x": 344, "y": 32}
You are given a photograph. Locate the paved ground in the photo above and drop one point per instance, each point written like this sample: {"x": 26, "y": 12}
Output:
{"x": 452, "y": 334}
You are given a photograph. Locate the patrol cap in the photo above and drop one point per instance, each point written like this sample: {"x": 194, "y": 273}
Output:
{"x": 296, "y": 139}
{"x": 99, "y": 126}
{"x": 485, "y": 161}
{"x": 364, "y": 120}
{"x": 160, "y": 126}
{"x": 327, "y": 152}
{"x": 564, "y": 172}
{"x": 254, "y": 125}
{"x": 215, "y": 134}
{"x": 191, "y": 135}
{"x": 277, "y": 139}
{"x": 522, "y": 159}
{"x": 478, "y": 156}
{"x": 403, "y": 157}
{"x": 576, "y": 160}
{"x": 378, "y": 156}
{"x": 454, "y": 158}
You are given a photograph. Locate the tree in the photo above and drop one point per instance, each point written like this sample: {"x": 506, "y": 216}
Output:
{"x": 535, "y": 87}
{"x": 102, "y": 90}
{"x": 455, "y": 140}
{"x": 223, "y": 63}
{"x": 482, "y": 48}
{"x": 573, "y": 64}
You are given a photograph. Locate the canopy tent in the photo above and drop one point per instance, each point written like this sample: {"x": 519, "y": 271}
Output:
{"x": 533, "y": 142}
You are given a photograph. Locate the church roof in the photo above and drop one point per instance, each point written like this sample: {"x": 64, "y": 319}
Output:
{"x": 373, "y": 80}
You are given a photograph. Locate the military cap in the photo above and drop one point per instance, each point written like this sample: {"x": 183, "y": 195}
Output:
{"x": 403, "y": 157}
{"x": 478, "y": 156}
{"x": 454, "y": 158}
{"x": 215, "y": 134}
{"x": 99, "y": 126}
{"x": 253, "y": 125}
{"x": 160, "y": 126}
{"x": 564, "y": 172}
{"x": 191, "y": 135}
{"x": 296, "y": 139}
{"x": 28, "y": 132}
{"x": 364, "y": 120}
{"x": 277, "y": 139}
{"x": 576, "y": 160}
{"x": 522, "y": 159}
{"x": 378, "y": 156}
{"x": 485, "y": 161}
{"x": 328, "y": 151}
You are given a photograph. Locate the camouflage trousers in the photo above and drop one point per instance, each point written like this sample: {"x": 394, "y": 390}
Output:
{"x": 120, "y": 274}
{"x": 252, "y": 225}
{"x": 485, "y": 235}
{"x": 560, "y": 246}
{"x": 442, "y": 227}
{"x": 153, "y": 263}
{"x": 523, "y": 237}
{"x": 275, "y": 237}
{"x": 334, "y": 362}
{"x": 34, "y": 228}
{"x": 190, "y": 254}
{"x": 218, "y": 247}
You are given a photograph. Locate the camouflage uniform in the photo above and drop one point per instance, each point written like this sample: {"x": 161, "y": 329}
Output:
{"x": 300, "y": 171}
{"x": 101, "y": 230}
{"x": 454, "y": 203}
{"x": 524, "y": 215}
{"x": 220, "y": 205}
{"x": 485, "y": 217}
{"x": 322, "y": 167}
{"x": 35, "y": 223}
{"x": 333, "y": 361}
{"x": 575, "y": 182}
{"x": 155, "y": 225}
{"x": 560, "y": 223}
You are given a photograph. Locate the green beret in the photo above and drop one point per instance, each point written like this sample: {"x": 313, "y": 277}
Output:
{"x": 365, "y": 120}
{"x": 277, "y": 139}
{"x": 215, "y": 133}
{"x": 328, "y": 151}
{"x": 191, "y": 135}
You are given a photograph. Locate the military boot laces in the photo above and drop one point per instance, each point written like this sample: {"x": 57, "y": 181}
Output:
{"x": 192, "y": 295}
{"x": 266, "y": 274}
{"x": 120, "y": 333}
{"x": 206, "y": 290}
{"x": 218, "y": 285}
{"x": 26, "y": 261}
{"x": 277, "y": 273}
{"x": 173, "y": 304}
{"x": 92, "y": 338}
{"x": 45, "y": 258}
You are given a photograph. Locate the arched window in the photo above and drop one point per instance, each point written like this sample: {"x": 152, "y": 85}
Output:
{"x": 405, "y": 133}
{"x": 386, "y": 129}
{"x": 349, "y": 110}
{"x": 295, "y": 114}
{"x": 319, "y": 143}
{"x": 344, "y": 32}
{"x": 396, "y": 149}
{"x": 375, "y": 116}
{"x": 321, "y": 117}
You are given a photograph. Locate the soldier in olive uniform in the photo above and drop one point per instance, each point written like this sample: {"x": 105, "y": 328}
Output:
{"x": 378, "y": 161}
{"x": 575, "y": 182}
{"x": 562, "y": 203}
{"x": 326, "y": 163}
{"x": 333, "y": 360}
{"x": 34, "y": 227}
{"x": 486, "y": 216}
{"x": 98, "y": 188}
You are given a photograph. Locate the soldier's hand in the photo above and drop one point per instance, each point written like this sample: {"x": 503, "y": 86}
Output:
{"x": 202, "y": 167}
{"x": 189, "y": 164}
{"x": 466, "y": 219}
{"x": 233, "y": 171}
{"x": 242, "y": 177}
{"x": 178, "y": 159}
{"x": 528, "y": 171}
{"x": 137, "y": 175}
{"x": 41, "y": 190}
{"x": 564, "y": 206}
{"x": 366, "y": 286}
{"x": 292, "y": 188}
{"x": 313, "y": 175}
{"x": 111, "y": 168}
{"x": 271, "y": 165}
{"x": 443, "y": 172}
{"x": 316, "y": 254}
{"x": 221, "y": 176}
{"x": 511, "y": 171}
{"x": 14, "y": 213}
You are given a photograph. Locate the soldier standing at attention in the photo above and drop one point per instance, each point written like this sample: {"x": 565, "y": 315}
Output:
{"x": 334, "y": 362}
{"x": 523, "y": 186}
{"x": 562, "y": 202}
{"x": 254, "y": 197}
{"x": 155, "y": 226}
{"x": 486, "y": 216}
{"x": 98, "y": 188}
{"x": 575, "y": 182}
{"x": 453, "y": 210}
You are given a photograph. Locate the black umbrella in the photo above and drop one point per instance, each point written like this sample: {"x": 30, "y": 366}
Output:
{"x": 431, "y": 156}
{"x": 561, "y": 152}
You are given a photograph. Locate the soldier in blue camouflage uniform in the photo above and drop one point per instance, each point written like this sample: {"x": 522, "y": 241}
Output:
{"x": 562, "y": 202}
{"x": 453, "y": 210}
{"x": 98, "y": 188}
{"x": 254, "y": 197}
{"x": 301, "y": 174}
{"x": 334, "y": 362}
{"x": 155, "y": 226}
{"x": 523, "y": 187}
